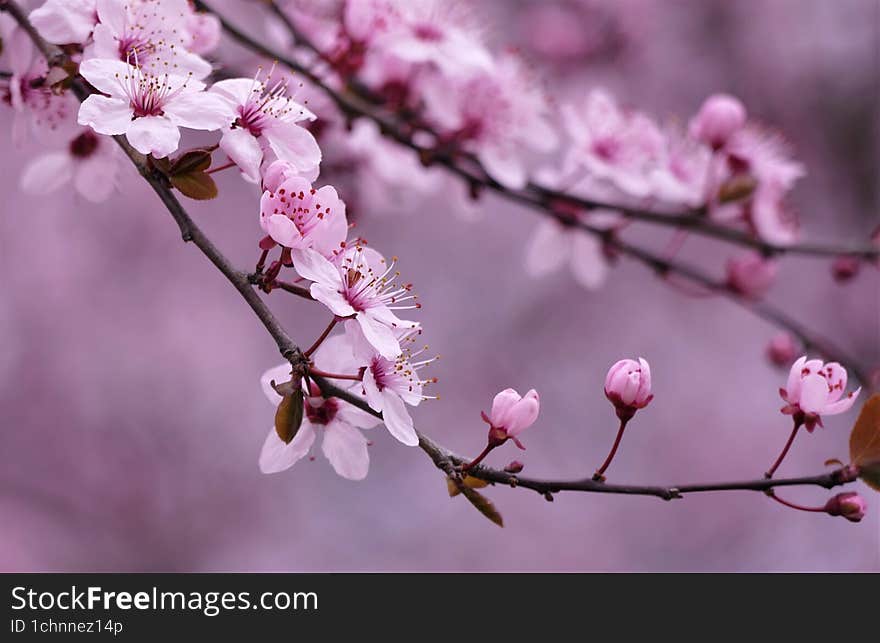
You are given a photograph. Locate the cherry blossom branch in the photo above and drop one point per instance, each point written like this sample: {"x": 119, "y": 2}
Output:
{"x": 448, "y": 462}
{"x": 453, "y": 464}
{"x": 542, "y": 200}
{"x": 357, "y": 101}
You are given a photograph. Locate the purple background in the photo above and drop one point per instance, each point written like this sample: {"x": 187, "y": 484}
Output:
{"x": 130, "y": 411}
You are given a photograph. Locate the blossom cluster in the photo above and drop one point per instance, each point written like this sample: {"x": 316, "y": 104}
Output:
{"x": 146, "y": 66}
{"x": 430, "y": 61}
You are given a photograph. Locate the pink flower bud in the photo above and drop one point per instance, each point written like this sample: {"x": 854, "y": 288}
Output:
{"x": 781, "y": 349}
{"x": 850, "y": 505}
{"x": 751, "y": 275}
{"x": 815, "y": 389}
{"x": 844, "y": 268}
{"x": 514, "y": 467}
{"x": 628, "y": 386}
{"x": 511, "y": 415}
{"x": 720, "y": 116}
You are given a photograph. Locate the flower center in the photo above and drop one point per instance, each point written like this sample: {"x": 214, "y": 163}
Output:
{"x": 84, "y": 145}
{"x": 323, "y": 413}
{"x": 427, "y": 32}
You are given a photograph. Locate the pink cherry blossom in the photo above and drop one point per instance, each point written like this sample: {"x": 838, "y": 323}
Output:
{"x": 751, "y": 274}
{"x": 261, "y": 118}
{"x": 628, "y": 386}
{"x": 719, "y": 118}
{"x": 90, "y": 161}
{"x": 389, "y": 385}
{"x": 64, "y": 22}
{"x": 815, "y": 389}
{"x": 849, "y": 504}
{"x": 148, "y": 109}
{"x": 497, "y": 116}
{"x": 511, "y": 414}
{"x": 152, "y": 32}
{"x": 37, "y": 109}
{"x": 554, "y": 244}
{"x": 781, "y": 349}
{"x": 295, "y": 215}
{"x": 204, "y": 31}
{"x": 339, "y": 422}
{"x": 430, "y": 33}
{"x": 361, "y": 284}
{"x": 273, "y": 174}
{"x": 766, "y": 159}
{"x": 621, "y": 147}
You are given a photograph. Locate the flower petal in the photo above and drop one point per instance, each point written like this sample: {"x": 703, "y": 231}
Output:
{"x": 108, "y": 75}
{"x": 244, "y": 149}
{"x": 397, "y": 419}
{"x": 277, "y": 456}
{"x": 105, "y": 115}
{"x": 279, "y": 374}
{"x": 154, "y": 135}
{"x": 313, "y": 266}
{"x": 346, "y": 449}
{"x": 293, "y": 144}
{"x": 47, "y": 173}
{"x": 198, "y": 110}
{"x": 380, "y": 336}
{"x": 814, "y": 394}
{"x": 588, "y": 264}
{"x": 548, "y": 248}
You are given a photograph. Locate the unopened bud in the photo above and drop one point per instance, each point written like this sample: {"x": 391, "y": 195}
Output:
{"x": 850, "y": 505}
{"x": 844, "y": 268}
{"x": 514, "y": 467}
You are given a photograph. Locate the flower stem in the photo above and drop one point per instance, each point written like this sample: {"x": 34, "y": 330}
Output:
{"x": 794, "y": 505}
{"x": 225, "y": 166}
{"x": 470, "y": 465}
{"x": 261, "y": 263}
{"x": 772, "y": 470}
{"x": 334, "y": 376}
{"x": 599, "y": 475}
{"x": 321, "y": 339}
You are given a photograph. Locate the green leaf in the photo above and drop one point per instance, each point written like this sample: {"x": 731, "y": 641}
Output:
{"x": 289, "y": 415}
{"x": 196, "y": 185}
{"x": 196, "y": 160}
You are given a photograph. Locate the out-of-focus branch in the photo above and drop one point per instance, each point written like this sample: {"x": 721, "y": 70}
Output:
{"x": 356, "y": 101}
{"x": 543, "y": 201}
{"x": 443, "y": 459}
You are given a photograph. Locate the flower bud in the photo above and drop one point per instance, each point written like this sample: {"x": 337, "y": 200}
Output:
{"x": 782, "y": 349}
{"x": 850, "y": 505}
{"x": 514, "y": 467}
{"x": 628, "y": 386}
{"x": 751, "y": 275}
{"x": 844, "y": 268}
{"x": 720, "y": 116}
{"x": 511, "y": 415}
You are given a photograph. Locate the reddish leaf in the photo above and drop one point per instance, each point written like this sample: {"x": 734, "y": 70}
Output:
{"x": 195, "y": 185}
{"x": 289, "y": 415}
{"x": 864, "y": 442}
{"x": 469, "y": 481}
{"x": 196, "y": 160}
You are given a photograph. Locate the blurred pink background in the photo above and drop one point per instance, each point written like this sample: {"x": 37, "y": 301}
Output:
{"x": 130, "y": 410}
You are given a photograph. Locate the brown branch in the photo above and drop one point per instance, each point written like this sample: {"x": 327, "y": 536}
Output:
{"x": 443, "y": 459}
